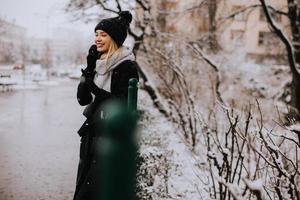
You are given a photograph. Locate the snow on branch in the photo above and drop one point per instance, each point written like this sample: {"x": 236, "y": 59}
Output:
{"x": 268, "y": 165}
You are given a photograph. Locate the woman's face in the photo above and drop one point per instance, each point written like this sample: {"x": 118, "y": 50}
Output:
{"x": 102, "y": 40}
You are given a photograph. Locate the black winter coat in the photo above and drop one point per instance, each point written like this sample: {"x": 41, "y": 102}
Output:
{"x": 87, "y": 184}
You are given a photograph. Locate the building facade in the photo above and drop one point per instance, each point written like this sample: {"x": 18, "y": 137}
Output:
{"x": 12, "y": 42}
{"x": 250, "y": 30}
{"x": 247, "y": 29}
{"x": 62, "y": 46}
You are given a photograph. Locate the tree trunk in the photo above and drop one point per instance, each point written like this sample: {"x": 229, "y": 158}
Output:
{"x": 212, "y": 10}
{"x": 294, "y": 17}
{"x": 290, "y": 48}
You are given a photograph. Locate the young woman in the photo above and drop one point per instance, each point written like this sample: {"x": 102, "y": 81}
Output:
{"x": 109, "y": 68}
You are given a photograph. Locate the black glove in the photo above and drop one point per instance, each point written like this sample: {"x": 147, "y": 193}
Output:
{"x": 92, "y": 57}
{"x": 87, "y": 79}
{"x": 84, "y": 96}
{"x": 88, "y": 73}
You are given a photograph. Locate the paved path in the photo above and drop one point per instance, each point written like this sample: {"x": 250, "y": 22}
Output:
{"x": 39, "y": 145}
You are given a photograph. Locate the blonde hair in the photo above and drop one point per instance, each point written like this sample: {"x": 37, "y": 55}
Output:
{"x": 113, "y": 48}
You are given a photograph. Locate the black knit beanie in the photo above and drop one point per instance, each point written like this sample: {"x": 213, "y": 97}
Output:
{"x": 116, "y": 27}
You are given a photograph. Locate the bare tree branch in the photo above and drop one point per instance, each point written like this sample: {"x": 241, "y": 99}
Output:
{"x": 282, "y": 37}
{"x": 242, "y": 10}
{"x": 105, "y": 7}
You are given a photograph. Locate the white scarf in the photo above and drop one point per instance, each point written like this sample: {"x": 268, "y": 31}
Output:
{"x": 104, "y": 69}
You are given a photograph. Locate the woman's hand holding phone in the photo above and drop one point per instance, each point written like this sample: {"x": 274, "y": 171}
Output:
{"x": 92, "y": 57}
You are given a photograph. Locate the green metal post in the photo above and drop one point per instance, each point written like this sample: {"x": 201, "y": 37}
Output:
{"x": 116, "y": 149}
{"x": 132, "y": 94}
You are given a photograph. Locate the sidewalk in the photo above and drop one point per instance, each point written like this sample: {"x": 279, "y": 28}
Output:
{"x": 39, "y": 146}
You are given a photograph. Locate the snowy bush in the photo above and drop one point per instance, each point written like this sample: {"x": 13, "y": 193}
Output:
{"x": 250, "y": 160}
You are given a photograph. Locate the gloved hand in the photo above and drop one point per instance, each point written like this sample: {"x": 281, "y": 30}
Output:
{"x": 92, "y": 58}
{"x": 84, "y": 96}
{"x": 88, "y": 73}
{"x": 87, "y": 79}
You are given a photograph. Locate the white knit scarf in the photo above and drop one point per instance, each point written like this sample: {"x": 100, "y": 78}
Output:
{"x": 104, "y": 68}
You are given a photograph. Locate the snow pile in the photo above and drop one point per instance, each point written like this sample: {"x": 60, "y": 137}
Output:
{"x": 168, "y": 168}
{"x": 256, "y": 185}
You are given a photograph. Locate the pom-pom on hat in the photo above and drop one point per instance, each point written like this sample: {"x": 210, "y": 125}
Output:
{"x": 116, "y": 27}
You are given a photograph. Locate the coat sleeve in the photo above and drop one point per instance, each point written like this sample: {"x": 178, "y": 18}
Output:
{"x": 125, "y": 74}
{"x": 84, "y": 96}
{"x": 86, "y": 88}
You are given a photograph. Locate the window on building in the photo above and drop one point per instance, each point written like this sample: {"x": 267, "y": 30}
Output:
{"x": 237, "y": 36}
{"x": 241, "y": 15}
{"x": 268, "y": 39}
{"x": 274, "y": 15}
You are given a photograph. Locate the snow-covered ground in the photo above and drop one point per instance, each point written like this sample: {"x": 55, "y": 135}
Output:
{"x": 243, "y": 81}
{"x": 170, "y": 169}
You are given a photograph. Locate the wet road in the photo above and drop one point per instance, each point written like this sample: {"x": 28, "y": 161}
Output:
{"x": 39, "y": 145}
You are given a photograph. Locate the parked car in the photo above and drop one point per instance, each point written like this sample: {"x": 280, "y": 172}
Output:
{"x": 18, "y": 66}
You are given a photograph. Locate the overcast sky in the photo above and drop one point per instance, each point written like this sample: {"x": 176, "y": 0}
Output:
{"x": 34, "y": 15}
